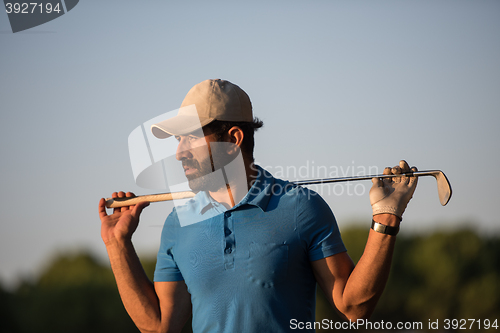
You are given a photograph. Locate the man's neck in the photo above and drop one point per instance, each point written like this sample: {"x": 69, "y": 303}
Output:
{"x": 237, "y": 186}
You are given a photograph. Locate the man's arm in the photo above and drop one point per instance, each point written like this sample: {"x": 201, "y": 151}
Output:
{"x": 355, "y": 290}
{"x": 151, "y": 307}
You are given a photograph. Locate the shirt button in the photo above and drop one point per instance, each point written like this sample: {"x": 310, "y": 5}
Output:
{"x": 227, "y": 232}
{"x": 228, "y": 251}
{"x": 227, "y": 214}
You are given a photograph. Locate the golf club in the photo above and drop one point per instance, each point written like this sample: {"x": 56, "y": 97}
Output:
{"x": 444, "y": 188}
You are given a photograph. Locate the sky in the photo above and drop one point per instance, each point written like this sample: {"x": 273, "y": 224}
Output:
{"x": 343, "y": 88}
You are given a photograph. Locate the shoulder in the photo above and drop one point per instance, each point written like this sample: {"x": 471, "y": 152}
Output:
{"x": 188, "y": 212}
{"x": 304, "y": 198}
{"x": 311, "y": 205}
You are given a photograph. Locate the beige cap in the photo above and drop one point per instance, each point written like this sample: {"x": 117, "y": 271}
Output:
{"x": 207, "y": 101}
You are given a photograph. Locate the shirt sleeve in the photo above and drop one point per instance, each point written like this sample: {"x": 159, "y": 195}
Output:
{"x": 166, "y": 267}
{"x": 318, "y": 228}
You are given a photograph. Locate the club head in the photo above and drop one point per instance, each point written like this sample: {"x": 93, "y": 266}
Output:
{"x": 444, "y": 187}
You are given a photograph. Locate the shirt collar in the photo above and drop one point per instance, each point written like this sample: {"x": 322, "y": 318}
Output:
{"x": 260, "y": 192}
{"x": 204, "y": 202}
{"x": 258, "y": 195}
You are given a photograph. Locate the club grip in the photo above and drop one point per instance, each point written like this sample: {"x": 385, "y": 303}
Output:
{"x": 121, "y": 202}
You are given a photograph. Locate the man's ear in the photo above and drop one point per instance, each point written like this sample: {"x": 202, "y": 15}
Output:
{"x": 236, "y": 138}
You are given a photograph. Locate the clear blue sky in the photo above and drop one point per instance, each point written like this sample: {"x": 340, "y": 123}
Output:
{"x": 339, "y": 84}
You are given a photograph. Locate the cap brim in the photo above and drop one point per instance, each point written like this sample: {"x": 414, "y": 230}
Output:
{"x": 179, "y": 125}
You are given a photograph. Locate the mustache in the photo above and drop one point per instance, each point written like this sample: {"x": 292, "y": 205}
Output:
{"x": 190, "y": 164}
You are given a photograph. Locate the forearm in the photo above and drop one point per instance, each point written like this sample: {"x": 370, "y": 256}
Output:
{"x": 368, "y": 279}
{"x": 136, "y": 290}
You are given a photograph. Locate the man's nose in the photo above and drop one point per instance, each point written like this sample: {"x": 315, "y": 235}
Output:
{"x": 183, "y": 150}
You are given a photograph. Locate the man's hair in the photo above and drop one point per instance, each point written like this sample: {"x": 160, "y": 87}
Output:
{"x": 220, "y": 129}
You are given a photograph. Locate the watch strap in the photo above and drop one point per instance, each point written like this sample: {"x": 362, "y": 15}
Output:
{"x": 384, "y": 229}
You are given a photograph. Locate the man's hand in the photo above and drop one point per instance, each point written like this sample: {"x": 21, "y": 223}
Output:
{"x": 391, "y": 195}
{"x": 123, "y": 222}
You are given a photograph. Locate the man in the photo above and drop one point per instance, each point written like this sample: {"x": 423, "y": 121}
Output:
{"x": 245, "y": 254}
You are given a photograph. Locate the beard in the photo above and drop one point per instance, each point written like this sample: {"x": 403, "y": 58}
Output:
{"x": 205, "y": 178}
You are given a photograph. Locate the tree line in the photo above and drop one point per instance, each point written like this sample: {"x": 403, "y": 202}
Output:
{"x": 443, "y": 275}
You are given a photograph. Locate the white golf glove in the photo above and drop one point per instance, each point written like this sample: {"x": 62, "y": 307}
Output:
{"x": 391, "y": 195}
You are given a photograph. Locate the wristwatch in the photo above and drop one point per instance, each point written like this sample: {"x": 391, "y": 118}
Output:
{"x": 385, "y": 229}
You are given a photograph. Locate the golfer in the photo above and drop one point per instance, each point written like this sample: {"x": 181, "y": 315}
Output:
{"x": 245, "y": 254}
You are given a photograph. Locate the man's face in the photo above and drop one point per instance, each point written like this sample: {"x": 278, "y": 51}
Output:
{"x": 200, "y": 156}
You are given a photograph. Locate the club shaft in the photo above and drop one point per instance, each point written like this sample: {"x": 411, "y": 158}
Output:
{"x": 355, "y": 178}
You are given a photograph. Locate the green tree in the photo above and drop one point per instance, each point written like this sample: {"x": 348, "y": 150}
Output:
{"x": 74, "y": 294}
{"x": 456, "y": 277}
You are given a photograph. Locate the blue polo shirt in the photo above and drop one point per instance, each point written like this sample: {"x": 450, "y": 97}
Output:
{"x": 248, "y": 268}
